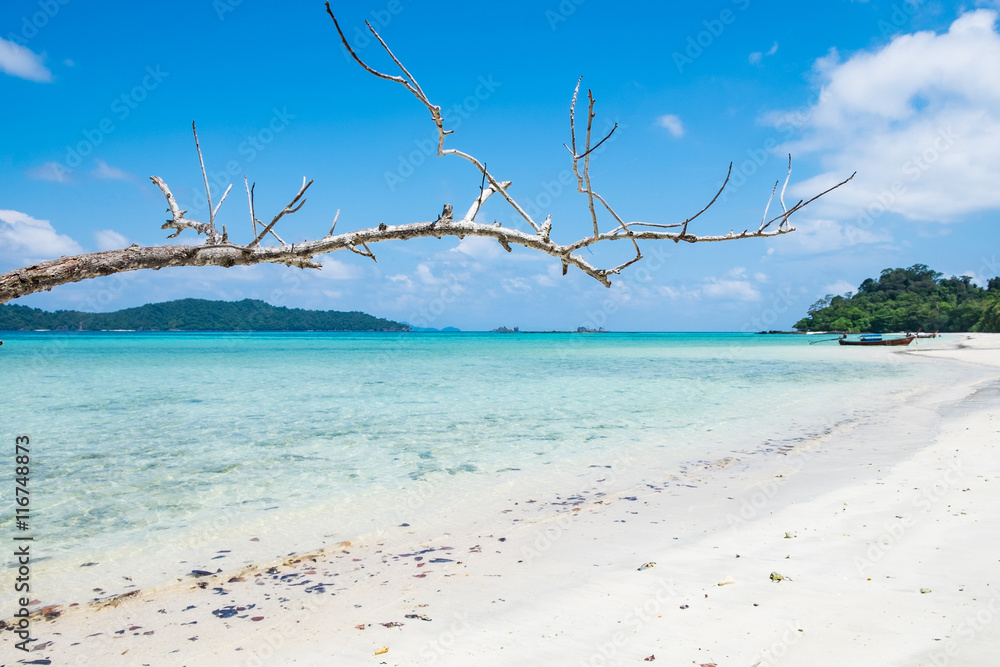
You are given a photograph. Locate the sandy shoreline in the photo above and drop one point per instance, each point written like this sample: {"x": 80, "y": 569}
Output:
{"x": 856, "y": 522}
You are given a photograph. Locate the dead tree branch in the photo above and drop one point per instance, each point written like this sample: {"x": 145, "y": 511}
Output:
{"x": 218, "y": 250}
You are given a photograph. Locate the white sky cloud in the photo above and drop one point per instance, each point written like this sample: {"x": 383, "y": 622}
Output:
{"x": 812, "y": 236}
{"x": 840, "y": 287}
{"x": 336, "y": 270}
{"x": 919, "y": 120}
{"x": 21, "y": 62}
{"x": 479, "y": 247}
{"x": 105, "y": 171}
{"x": 672, "y": 124}
{"x": 109, "y": 239}
{"x": 735, "y": 285}
{"x": 24, "y": 239}
{"x": 49, "y": 171}
{"x": 757, "y": 56}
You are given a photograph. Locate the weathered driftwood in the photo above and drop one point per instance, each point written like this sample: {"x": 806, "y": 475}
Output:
{"x": 218, "y": 250}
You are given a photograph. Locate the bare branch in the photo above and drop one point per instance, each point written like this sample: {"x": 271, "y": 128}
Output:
{"x": 219, "y": 205}
{"x": 253, "y": 217}
{"x": 685, "y": 223}
{"x": 364, "y": 253}
{"x": 218, "y": 251}
{"x": 787, "y": 177}
{"x": 291, "y": 208}
{"x": 178, "y": 221}
{"x": 763, "y": 218}
{"x": 334, "y": 225}
{"x": 483, "y": 196}
{"x": 204, "y": 174}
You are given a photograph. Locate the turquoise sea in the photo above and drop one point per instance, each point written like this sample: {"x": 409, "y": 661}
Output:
{"x": 155, "y": 453}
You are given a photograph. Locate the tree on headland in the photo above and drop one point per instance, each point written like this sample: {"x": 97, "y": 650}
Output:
{"x": 907, "y": 300}
{"x": 219, "y": 249}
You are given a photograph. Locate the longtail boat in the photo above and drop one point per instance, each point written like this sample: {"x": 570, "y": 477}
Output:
{"x": 877, "y": 340}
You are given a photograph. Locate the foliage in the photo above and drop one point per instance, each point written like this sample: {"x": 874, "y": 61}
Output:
{"x": 990, "y": 321}
{"x": 196, "y": 315}
{"x": 907, "y": 300}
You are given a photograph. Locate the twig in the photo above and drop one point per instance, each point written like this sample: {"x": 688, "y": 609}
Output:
{"x": 291, "y": 208}
{"x": 204, "y": 174}
{"x": 334, "y": 225}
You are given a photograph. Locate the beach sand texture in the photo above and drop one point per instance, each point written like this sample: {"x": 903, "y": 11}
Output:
{"x": 873, "y": 544}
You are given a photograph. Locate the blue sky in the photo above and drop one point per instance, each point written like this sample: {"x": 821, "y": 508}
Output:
{"x": 100, "y": 96}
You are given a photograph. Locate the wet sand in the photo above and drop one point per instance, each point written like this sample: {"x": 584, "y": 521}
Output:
{"x": 873, "y": 543}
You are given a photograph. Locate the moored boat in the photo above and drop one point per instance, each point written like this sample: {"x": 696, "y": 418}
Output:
{"x": 876, "y": 339}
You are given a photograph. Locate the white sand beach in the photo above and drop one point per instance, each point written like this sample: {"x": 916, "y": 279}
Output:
{"x": 873, "y": 544}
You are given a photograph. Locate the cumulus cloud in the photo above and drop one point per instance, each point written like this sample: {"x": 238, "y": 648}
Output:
{"x": 479, "y": 247}
{"x": 26, "y": 239}
{"x": 515, "y": 285}
{"x": 337, "y": 270}
{"x": 109, "y": 239}
{"x": 839, "y": 287}
{"x": 757, "y": 56}
{"x": 918, "y": 119}
{"x": 49, "y": 171}
{"x": 105, "y": 171}
{"x": 21, "y": 62}
{"x": 735, "y": 285}
{"x": 672, "y": 124}
{"x": 814, "y": 236}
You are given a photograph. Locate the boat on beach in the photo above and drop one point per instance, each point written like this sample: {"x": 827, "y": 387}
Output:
{"x": 876, "y": 339}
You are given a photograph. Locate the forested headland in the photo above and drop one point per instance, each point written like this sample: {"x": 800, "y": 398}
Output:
{"x": 906, "y": 300}
{"x": 196, "y": 315}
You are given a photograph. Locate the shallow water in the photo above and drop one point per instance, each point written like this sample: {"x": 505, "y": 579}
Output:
{"x": 152, "y": 452}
